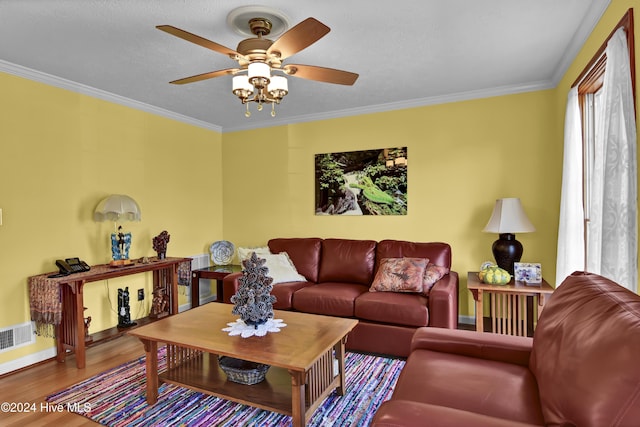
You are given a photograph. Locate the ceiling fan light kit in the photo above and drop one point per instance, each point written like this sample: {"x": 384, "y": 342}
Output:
{"x": 258, "y": 58}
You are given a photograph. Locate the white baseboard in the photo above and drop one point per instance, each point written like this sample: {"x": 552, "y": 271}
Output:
{"x": 30, "y": 359}
{"x": 467, "y": 320}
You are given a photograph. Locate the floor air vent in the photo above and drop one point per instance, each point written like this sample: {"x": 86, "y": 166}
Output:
{"x": 16, "y": 336}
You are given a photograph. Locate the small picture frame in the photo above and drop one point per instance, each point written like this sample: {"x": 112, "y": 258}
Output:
{"x": 528, "y": 273}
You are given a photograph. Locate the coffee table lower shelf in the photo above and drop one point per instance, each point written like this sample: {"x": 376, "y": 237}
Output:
{"x": 202, "y": 373}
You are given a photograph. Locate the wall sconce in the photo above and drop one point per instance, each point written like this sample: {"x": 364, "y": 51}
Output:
{"x": 508, "y": 218}
{"x": 118, "y": 207}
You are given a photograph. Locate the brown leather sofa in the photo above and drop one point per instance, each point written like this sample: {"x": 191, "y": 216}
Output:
{"x": 339, "y": 273}
{"x": 581, "y": 368}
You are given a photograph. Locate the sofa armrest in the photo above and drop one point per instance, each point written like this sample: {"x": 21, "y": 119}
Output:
{"x": 397, "y": 413}
{"x": 443, "y": 302}
{"x": 502, "y": 348}
{"x": 230, "y": 286}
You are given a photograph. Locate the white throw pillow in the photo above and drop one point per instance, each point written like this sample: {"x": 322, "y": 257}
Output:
{"x": 281, "y": 269}
{"x": 245, "y": 253}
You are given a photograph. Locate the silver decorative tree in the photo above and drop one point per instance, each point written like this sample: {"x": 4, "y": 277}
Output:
{"x": 253, "y": 301}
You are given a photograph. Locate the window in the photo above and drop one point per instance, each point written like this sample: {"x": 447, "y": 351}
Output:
{"x": 600, "y": 165}
{"x": 589, "y": 85}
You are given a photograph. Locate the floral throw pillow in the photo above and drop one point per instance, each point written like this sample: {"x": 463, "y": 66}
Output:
{"x": 432, "y": 274}
{"x": 399, "y": 275}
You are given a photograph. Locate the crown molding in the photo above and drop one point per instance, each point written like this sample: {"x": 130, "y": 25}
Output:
{"x": 38, "y": 76}
{"x": 28, "y": 73}
{"x": 588, "y": 24}
{"x": 401, "y": 105}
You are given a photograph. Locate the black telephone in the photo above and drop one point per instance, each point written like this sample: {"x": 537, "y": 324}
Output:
{"x": 71, "y": 265}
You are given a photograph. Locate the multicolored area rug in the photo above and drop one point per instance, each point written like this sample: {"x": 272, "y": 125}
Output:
{"x": 118, "y": 398}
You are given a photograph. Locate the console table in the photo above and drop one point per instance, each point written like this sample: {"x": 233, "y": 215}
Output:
{"x": 70, "y": 332}
{"x": 510, "y": 308}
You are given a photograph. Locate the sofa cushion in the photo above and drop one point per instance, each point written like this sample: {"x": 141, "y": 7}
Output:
{"x": 284, "y": 294}
{"x": 488, "y": 387}
{"x": 331, "y": 299}
{"x": 393, "y": 308}
{"x": 349, "y": 261}
{"x": 438, "y": 253}
{"x": 397, "y": 413}
{"x": 400, "y": 275}
{"x": 585, "y": 353}
{"x": 304, "y": 253}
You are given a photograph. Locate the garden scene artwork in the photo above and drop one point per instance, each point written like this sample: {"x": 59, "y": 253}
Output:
{"x": 368, "y": 182}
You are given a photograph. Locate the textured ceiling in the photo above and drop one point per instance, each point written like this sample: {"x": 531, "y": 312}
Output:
{"x": 407, "y": 53}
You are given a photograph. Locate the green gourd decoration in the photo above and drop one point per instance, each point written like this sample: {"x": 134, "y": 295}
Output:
{"x": 491, "y": 274}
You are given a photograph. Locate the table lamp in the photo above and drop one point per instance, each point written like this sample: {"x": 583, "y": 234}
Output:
{"x": 118, "y": 208}
{"x": 508, "y": 218}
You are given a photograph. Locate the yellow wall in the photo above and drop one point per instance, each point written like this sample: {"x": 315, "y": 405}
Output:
{"x": 62, "y": 152}
{"x": 461, "y": 157}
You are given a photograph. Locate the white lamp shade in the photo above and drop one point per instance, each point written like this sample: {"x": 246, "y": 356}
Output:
{"x": 242, "y": 83}
{"x": 508, "y": 217}
{"x": 278, "y": 83}
{"x": 117, "y": 207}
{"x": 259, "y": 69}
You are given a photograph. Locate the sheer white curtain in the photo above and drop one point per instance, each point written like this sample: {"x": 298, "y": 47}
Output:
{"x": 571, "y": 229}
{"x": 613, "y": 230}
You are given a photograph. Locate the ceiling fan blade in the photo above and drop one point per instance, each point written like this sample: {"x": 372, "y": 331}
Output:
{"x": 185, "y": 35}
{"x": 205, "y": 76}
{"x": 321, "y": 74}
{"x": 299, "y": 37}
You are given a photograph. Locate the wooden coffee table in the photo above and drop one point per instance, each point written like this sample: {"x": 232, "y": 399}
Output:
{"x": 300, "y": 355}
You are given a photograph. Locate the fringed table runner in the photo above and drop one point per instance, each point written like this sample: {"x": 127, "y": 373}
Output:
{"x": 46, "y": 304}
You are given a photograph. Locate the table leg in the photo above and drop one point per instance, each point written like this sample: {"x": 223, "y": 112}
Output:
{"x": 173, "y": 272}
{"x": 60, "y": 351}
{"x": 79, "y": 345}
{"x": 151, "y": 360}
{"x": 195, "y": 290}
{"x": 540, "y": 303}
{"x": 219, "y": 289}
{"x": 477, "y": 295}
{"x": 340, "y": 349}
{"x": 298, "y": 406}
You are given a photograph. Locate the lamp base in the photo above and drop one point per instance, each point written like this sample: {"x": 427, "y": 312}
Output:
{"x": 507, "y": 251}
{"x": 120, "y": 245}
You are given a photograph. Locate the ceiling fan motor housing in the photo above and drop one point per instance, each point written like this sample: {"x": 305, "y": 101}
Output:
{"x": 260, "y": 26}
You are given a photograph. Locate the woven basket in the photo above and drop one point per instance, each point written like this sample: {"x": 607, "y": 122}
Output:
{"x": 242, "y": 371}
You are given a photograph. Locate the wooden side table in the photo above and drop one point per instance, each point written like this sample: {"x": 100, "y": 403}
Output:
{"x": 510, "y": 310}
{"x": 214, "y": 272}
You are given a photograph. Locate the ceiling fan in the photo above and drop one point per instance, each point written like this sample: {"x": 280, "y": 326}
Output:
{"x": 259, "y": 58}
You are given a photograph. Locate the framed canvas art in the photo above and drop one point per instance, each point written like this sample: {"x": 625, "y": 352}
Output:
{"x": 368, "y": 182}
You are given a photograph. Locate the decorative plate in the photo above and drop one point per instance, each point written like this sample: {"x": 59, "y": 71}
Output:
{"x": 222, "y": 252}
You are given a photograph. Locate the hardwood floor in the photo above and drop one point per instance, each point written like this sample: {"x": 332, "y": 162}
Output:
{"x": 33, "y": 385}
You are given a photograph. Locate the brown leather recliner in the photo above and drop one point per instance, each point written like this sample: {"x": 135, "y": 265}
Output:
{"x": 581, "y": 368}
